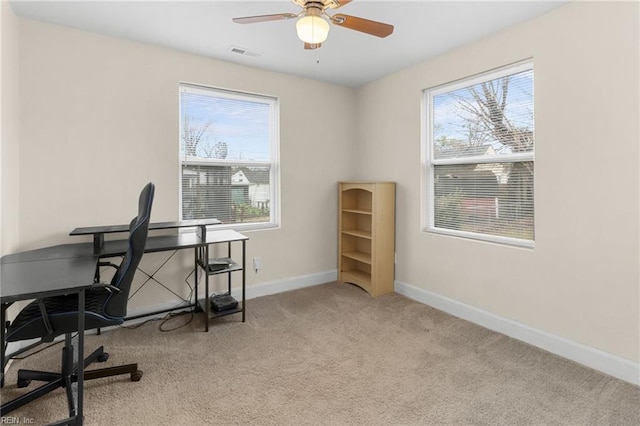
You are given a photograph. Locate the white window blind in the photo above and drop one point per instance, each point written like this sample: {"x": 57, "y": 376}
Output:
{"x": 228, "y": 157}
{"x": 479, "y": 157}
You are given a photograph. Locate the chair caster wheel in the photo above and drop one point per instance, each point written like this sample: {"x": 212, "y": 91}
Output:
{"x": 103, "y": 357}
{"x": 23, "y": 383}
{"x": 135, "y": 377}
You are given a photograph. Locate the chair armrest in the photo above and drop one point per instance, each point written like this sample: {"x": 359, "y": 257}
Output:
{"x": 106, "y": 286}
{"x": 45, "y": 317}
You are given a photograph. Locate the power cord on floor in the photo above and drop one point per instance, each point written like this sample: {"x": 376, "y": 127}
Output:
{"x": 175, "y": 315}
{"x": 163, "y": 320}
{"x": 171, "y": 315}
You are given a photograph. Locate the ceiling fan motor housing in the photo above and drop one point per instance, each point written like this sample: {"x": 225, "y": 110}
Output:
{"x": 314, "y": 8}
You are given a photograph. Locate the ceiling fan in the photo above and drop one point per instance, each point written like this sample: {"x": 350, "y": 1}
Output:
{"x": 313, "y": 25}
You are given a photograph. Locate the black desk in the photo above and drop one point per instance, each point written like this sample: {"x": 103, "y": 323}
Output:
{"x": 50, "y": 271}
{"x": 155, "y": 243}
{"x": 99, "y": 231}
{"x": 199, "y": 241}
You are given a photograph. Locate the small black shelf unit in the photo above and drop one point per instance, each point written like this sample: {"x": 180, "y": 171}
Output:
{"x": 203, "y": 261}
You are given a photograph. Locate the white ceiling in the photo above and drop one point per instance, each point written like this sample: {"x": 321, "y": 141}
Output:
{"x": 423, "y": 29}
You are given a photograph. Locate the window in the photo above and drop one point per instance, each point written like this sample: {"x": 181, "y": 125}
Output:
{"x": 478, "y": 146}
{"x": 228, "y": 157}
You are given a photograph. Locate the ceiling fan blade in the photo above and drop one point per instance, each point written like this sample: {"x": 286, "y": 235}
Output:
{"x": 375, "y": 28}
{"x": 264, "y": 18}
{"x": 334, "y": 4}
{"x": 311, "y": 46}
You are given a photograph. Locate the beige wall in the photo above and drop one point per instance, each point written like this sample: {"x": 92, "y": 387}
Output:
{"x": 9, "y": 128}
{"x": 100, "y": 119}
{"x": 581, "y": 281}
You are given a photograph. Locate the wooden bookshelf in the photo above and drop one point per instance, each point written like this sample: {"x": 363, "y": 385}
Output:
{"x": 366, "y": 240}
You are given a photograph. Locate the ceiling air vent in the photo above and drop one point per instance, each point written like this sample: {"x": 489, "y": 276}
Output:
{"x": 244, "y": 52}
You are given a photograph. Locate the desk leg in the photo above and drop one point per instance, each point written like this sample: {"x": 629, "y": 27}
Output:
{"x": 79, "y": 361}
{"x": 3, "y": 319}
{"x": 195, "y": 272}
{"x": 207, "y": 307}
{"x": 229, "y": 274}
{"x": 244, "y": 278}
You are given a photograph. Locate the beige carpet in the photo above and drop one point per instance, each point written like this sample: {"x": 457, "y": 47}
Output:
{"x": 332, "y": 355}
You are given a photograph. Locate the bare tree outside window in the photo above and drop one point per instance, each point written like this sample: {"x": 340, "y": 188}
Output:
{"x": 227, "y": 156}
{"x": 480, "y": 162}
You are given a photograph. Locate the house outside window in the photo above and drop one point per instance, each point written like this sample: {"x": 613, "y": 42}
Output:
{"x": 478, "y": 157}
{"x": 228, "y": 157}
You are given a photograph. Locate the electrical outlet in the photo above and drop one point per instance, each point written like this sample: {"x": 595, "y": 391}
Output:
{"x": 257, "y": 263}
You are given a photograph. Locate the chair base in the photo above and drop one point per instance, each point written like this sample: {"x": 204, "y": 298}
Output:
{"x": 66, "y": 377}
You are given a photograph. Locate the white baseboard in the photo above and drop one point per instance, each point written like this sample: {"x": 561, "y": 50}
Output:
{"x": 287, "y": 284}
{"x": 252, "y": 291}
{"x": 604, "y": 362}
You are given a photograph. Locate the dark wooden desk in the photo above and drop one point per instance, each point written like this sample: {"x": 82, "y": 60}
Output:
{"x": 50, "y": 271}
{"x": 155, "y": 243}
{"x": 199, "y": 241}
{"x": 99, "y": 231}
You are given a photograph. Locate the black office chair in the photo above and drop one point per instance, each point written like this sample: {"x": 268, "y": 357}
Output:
{"x": 106, "y": 305}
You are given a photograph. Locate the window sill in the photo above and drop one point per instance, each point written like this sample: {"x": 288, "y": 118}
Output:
{"x": 504, "y": 241}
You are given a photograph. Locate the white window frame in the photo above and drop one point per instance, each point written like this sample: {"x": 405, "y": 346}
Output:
{"x": 274, "y": 145}
{"x": 429, "y": 161}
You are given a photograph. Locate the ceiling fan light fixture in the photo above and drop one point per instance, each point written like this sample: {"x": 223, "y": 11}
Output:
{"x": 312, "y": 29}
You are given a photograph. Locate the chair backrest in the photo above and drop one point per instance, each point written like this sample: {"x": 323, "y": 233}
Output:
{"x": 116, "y": 305}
